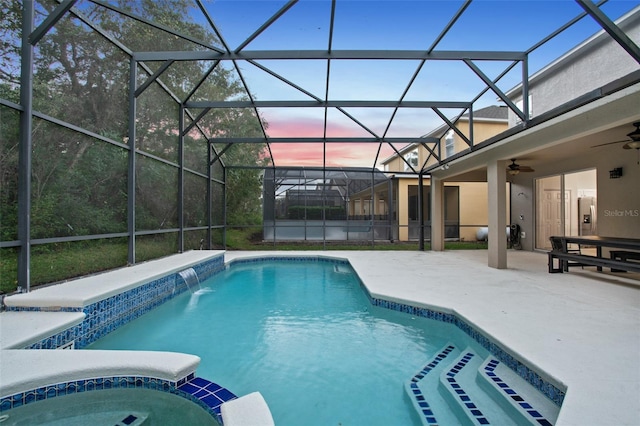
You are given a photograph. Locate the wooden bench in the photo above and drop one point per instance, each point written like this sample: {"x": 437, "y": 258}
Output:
{"x": 618, "y": 261}
{"x": 566, "y": 260}
{"x": 623, "y": 255}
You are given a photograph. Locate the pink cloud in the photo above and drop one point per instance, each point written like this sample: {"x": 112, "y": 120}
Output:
{"x": 337, "y": 155}
{"x": 311, "y": 154}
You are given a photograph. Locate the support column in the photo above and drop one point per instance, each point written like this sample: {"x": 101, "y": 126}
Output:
{"x": 437, "y": 214}
{"x": 131, "y": 184}
{"x": 24, "y": 159}
{"x": 209, "y": 195}
{"x": 497, "y": 201}
{"x": 181, "y": 179}
{"x": 421, "y": 212}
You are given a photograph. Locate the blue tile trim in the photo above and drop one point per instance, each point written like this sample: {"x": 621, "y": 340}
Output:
{"x": 489, "y": 371}
{"x": 208, "y": 395}
{"x": 106, "y": 315}
{"x": 532, "y": 377}
{"x": 58, "y": 340}
{"x": 458, "y": 391}
{"x": 300, "y": 259}
{"x": 420, "y": 402}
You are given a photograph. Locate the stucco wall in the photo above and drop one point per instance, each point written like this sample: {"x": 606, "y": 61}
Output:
{"x": 583, "y": 70}
{"x": 618, "y": 208}
{"x": 474, "y": 211}
{"x": 481, "y": 132}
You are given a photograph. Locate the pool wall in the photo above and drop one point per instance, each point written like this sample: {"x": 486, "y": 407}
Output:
{"x": 108, "y": 314}
{"x": 542, "y": 384}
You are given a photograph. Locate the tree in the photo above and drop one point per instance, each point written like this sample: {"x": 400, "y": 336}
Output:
{"x": 81, "y": 77}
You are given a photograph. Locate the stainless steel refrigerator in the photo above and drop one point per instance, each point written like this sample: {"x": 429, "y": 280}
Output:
{"x": 587, "y": 219}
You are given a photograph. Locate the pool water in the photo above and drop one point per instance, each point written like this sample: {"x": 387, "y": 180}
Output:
{"x": 301, "y": 333}
{"x": 119, "y": 407}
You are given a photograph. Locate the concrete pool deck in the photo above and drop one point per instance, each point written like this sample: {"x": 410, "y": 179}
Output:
{"x": 581, "y": 329}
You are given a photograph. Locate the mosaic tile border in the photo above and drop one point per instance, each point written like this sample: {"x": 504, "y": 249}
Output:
{"x": 300, "y": 259}
{"x": 59, "y": 340}
{"x": 104, "y": 316}
{"x": 532, "y": 377}
{"x": 456, "y": 390}
{"x": 206, "y": 394}
{"x": 489, "y": 371}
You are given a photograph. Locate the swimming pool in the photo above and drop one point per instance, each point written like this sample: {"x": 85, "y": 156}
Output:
{"x": 305, "y": 335}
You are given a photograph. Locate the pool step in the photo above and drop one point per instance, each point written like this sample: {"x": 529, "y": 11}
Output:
{"x": 423, "y": 391}
{"x": 461, "y": 387}
{"x": 461, "y": 390}
{"x": 115, "y": 418}
{"x": 133, "y": 419}
{"x": 515, "y": 394}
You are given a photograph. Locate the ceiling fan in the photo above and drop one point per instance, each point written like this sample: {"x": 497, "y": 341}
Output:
{"x": 514, "y": 168}
{"x": 633, "y": 143}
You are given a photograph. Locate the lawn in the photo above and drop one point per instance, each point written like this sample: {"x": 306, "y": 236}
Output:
{"x": 63, "y": 261}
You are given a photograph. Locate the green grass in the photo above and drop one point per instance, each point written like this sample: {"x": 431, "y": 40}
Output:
{"x": 251, "y": 239}
{"x": 63, "y": 261}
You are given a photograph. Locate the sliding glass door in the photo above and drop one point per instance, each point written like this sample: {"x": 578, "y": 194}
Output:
{"x": 565, "y": 205}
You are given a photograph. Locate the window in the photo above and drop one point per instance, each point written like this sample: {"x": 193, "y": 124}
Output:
{"x": 520, "y": 106}
{"x": 411, "y": 158}
{"x": 450, "y": 147}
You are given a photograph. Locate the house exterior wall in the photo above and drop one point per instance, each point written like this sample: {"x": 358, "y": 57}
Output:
{"x": 481, "y": 132}
{"x": 474, "y": 210}
{"x": 473, "y": 195}
{"x": 394, "y": 164}
{"x": 473, "y": 207}
{"x": 589, "y": 66}
{"x": 618, "y": 207}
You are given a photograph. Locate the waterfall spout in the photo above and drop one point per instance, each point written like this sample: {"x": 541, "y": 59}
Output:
{"x": 191, "y": 279}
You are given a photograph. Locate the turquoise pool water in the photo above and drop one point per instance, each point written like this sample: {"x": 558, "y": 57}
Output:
{"x": 303, "y": 334}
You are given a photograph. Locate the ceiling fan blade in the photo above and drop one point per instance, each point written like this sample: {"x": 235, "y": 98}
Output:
{"x": 610, "y": 143}
{"x": 631, "y": 145}
{"x": 526, "y": 169}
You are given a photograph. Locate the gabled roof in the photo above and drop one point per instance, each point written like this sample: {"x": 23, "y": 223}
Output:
{"x": 497, "y": 112}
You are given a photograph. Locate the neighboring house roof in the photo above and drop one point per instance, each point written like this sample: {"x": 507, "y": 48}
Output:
{"x": 497, "y": 112}
{"x": 493, "y": 113}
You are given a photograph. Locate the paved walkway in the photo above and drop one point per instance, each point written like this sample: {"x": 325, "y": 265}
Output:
{"x": 581, "y": 328}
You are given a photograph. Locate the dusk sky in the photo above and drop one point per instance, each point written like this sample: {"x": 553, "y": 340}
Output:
{"x": 379, "y": 25}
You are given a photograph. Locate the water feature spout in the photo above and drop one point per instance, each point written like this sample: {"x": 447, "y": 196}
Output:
{"x": 191, "y": 279}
